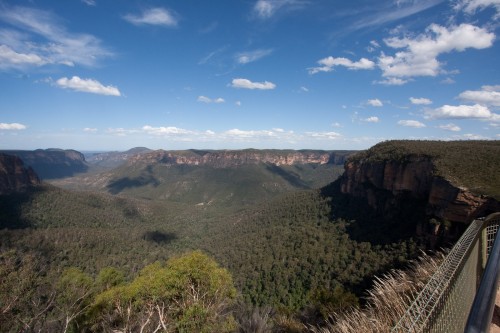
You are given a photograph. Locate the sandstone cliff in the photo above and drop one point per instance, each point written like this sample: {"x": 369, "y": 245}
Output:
{"x": 52, "y": 163}
{"x": 383, "y": 180}
{"x": 232, "y": 158}
{"x": 14, "y": 176}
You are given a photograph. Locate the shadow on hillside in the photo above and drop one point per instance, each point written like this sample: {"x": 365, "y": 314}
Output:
{"x": 59, "y": 170}
{"x": 159, "y": 237}
{"x": 289, "y": 177}
{"x": 12, "y": 207}
{"x": 395, "y": 219}
{"x": 121, "y": 184}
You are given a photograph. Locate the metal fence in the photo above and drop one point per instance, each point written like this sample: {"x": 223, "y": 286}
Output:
{"x": 444, "y": 303}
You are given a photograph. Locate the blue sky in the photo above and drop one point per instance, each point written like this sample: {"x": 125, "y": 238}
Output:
{"x": 230, "y": 74}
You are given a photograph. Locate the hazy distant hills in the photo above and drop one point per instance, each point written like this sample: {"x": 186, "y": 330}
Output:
{"x": 52, "y": 163}
{"x": 206, "y": 177}
{"x": 114, "y": 159}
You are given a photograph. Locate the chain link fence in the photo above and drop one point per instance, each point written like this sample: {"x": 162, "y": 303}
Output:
{"x": 445, "y": 302}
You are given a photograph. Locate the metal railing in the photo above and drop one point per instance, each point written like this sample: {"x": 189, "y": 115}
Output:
{"x": 445, "y": 302}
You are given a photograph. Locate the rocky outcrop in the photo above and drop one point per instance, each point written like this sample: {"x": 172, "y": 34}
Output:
{"x": 14, "y": 176}
{"x": 232, "y": 158}
{"x": 382, "y": 183}
{"x": 52, "y": 163}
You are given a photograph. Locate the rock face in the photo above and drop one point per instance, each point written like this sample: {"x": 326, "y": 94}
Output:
{"x": 52, "y": 163}
{"x": 383, "y": 183}
{"x": 14, "y": 176}
{"x": 232, "y": 158}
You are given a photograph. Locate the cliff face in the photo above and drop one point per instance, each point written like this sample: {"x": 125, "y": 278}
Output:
{"x": 232, "y": 158}
{"x": 383, "y": 183}
{"x": 52, "y": 163}
{"x": 14, "y": 176}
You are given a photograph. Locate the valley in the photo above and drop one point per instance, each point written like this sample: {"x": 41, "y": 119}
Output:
{"x": 296, "y": 231}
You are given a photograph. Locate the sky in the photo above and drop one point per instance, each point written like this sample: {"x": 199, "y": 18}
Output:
{"x": 232, "y": 74}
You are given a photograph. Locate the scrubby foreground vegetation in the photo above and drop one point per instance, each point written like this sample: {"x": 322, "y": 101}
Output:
{"x": 190, "y": 293}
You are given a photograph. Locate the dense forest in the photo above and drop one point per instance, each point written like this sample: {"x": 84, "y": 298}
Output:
{"x": 87, "y": 261}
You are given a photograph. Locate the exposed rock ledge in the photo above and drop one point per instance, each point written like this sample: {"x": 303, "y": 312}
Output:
{"x": 381, "y": 183}
{"x": 231, "y": 158}
{"x": 14, "y": 176}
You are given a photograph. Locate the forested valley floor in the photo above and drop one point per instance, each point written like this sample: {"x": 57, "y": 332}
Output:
{"x": 290, "y": 254}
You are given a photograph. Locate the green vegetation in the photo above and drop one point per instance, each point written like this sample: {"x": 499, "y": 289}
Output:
{"x": 190, "y": 293}
{"x": 289, "y": 255}
{"x": 472, "y": 164}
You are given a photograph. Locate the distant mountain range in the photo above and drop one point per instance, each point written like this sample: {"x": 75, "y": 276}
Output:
{"x": 206, "y": 177}
{"x": 114, "y": 159}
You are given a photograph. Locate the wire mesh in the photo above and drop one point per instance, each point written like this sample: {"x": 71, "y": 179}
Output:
{"x": 444, "y": 303}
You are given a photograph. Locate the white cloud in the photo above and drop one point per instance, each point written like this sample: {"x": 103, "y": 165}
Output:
{"x": 392, "y": 81}
{"x": 448, "y": 80}
{"x": 90, "y": 130}
{"x": 204, "y": 99}
{"x": 37, "y": 38}
{"x": 375, "y": 102}
{"x": 489, "y": 95}
{"x": 12, "y": 126}
{"x": 373, "y": 46}
{"x": 411, "y": 123}
{"x": 419, "y": 55}
{"x": 324, "y": 135}
{"x": 247, "y": 84}
{"x": 251, "y": 56}
{"x": 265, "y": 9}
{"x": 462, "y": 112}
{"x": 380, "y": 13}
{"x": 471, "y": 136}
{"x": 420, "y": 101}
{"x": 471, "y": 6}
{"x": 87, "y": 85}
{"x": 121, "y": 131}
{"x": 450, "y": 127}
{"x": 372, "y": 119}
{"x": 167, "y": 131}
{"x": 10, "y": 58}
{"x": 238, "y": 103}
{"x": 328, "y": 64}
{"x": 153, "y": 16}
{"x": 304, "y": 89}
{"x": 89, "y": 2}
{"x": 337, "y": 125}
{"x": 246, "y": 134}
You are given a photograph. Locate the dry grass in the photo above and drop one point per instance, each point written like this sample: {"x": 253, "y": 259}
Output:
{"x": 387, "y": 301}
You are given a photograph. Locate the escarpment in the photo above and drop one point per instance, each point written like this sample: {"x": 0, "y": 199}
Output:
{"x": 394, "y": 171}
{"x": 232, "y": 158}
{"x": 52, "y": 163}
{"x": 14, "y": 176}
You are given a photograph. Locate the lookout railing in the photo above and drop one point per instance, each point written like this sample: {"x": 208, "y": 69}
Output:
{"x": 459, "y": 287}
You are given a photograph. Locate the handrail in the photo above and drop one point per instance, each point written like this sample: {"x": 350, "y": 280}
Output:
{"x": 418, "y": 314}
{"x": 445, "y": 303}
{"x": 484, "y": 303}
